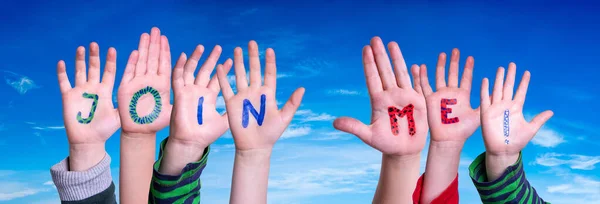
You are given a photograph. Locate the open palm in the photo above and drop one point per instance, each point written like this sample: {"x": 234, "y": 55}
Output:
{"x": 493, "y": 109}
{"x": 144, "y": 93}
{"x": 263, "y": 130}
{"x": 389, "y": 90}
{"x": 189, "y": 125}
{"x": 457, "y": 121}
{"x": 88, "y": 111}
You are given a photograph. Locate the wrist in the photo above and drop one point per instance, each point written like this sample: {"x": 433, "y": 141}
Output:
{"x": 254, "y": 154}
{"x": 496, "y": 164}
{"x": 402, "y": 159}
{"x": 445, "y": 148}
{"x": 186, "y": 151}
{"x": 138, "y": 136}
{"x": 85, "y": 156}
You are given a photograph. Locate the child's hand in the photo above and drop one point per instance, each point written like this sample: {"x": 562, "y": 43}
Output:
{"x": 398, "y": 117}
{"x": 254, "y": 119}
{"x": 449, "y": 111}
{"x": 89, "y": 115}
{"x": 505, "y": 131}
{"x": 144, "y": 92}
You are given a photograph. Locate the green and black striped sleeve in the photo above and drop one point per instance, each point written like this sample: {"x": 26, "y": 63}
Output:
{"x": 183, "y": 188}
{"x": 511, "y": 187}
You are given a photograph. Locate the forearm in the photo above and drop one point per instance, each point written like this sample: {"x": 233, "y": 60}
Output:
{"x": 398, "y": 178}
{"x": 84, "y": 156}
{"x": 442, "y": 167}
{"x": 137, "y": 158}
{"x": 177, "y": 155}
{"x": 497, "y": 164}
{"x": 250, "y": 176}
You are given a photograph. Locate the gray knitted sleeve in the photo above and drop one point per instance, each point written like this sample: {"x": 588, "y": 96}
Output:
{"x": 79, "y": 185}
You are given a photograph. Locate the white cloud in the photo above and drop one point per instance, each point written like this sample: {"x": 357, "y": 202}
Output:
{"x": 334, "y": 135}
{"x": 294, "y": 131}
{"x": 344, "y": 92}
{"x": 546, "y": 137}
{"x": 308, "y": 116}
{"x": 574, "y": 161}
{"x": 18, "y": 194}
{"x": 48, "y": 127}
{"x": 19, "y": 82}
{"x": 579, "y": 185}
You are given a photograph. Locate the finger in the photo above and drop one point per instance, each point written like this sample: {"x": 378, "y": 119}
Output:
{"x": 63, "y": 79}
{"x": 207, "y": 68}
{"x": 110, "y": 68}
{"x": 371, "y": 74}
{"x": 509, "y": 84}
{"x": 522, "y": 90}
{"x": 416, "y": 78}
{"x": 353, "y": 126}
{"x": 539, "y": 120}
{"x": 130, "y": 67}
{"x": 140, "y": 68}
{"x": 80, "y": 78}
{"x": 224, "y": 83}
{"x": 440, "y": 72}
{"x": 453, "y": 71}
{"x": 191, "y": 64}
{"x": 290, "y": 107}
{"x": 164, "y": 69}
{"x": 467, "y": 77}
{"x": 177, "y": 80}
{"x": 497, "y": 92}
{"x": 270, "y": 69}
{"x": 485, "y": 94}
{"x": 255, "y": 79}
{"x": 94, "y": 70}
{"x": 154, "y": 51}
{"x": 214, "y": 82}
{"x": 425, "y": 81}
{"x": 240, "y": 70}
{"x": 402, "y": 77}
{"x": 383, "y": 64}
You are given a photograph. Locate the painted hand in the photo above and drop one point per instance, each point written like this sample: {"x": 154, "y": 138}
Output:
{"x": 254, "y": 119}
{"x": 449, "y": 111}
{"x": 195, "y": 120}
{"x": 88, "y": 111}
{"x": 505, "y": 131}
{"x": 144, "y": 92}
{"x": 391, "y": 132}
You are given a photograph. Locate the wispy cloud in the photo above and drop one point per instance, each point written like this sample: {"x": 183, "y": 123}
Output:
{"x": 579, "y": 185}
{"x": 296, "y": 131}
{"x": 344, "y": 92}
{"x": 546, "y": 137}
{"x": 574, "y": 161}
{"x": 19, "y": 82}
{"x": 48, "y": 127}
{"x": 334, "y": 135}
{"x": 309, "y": 116}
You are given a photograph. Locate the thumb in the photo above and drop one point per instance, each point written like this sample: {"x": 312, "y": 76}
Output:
{"x": 290, "y": 107}
{"x": 353, "y": 126}
{"x": 539, "y": 120}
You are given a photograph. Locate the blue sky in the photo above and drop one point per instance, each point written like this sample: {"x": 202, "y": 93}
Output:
{"x": 318, "y": 46}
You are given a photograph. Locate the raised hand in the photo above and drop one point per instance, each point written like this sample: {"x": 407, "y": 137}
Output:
{"x": 254, "y": 119}
{"x": 505, "y": 130}
{"x": 255, "y": 122}
{"x": 449, "y": 111}
{"x": 144, "y": 107}
{"x": 398, "y": 121}
{"x": 398, "y": 112}
{"x": 195, "y": 122}
{"x": 89, "y": 115}
{"x": 144, "y": 93}
{"x": 452, "y": 121}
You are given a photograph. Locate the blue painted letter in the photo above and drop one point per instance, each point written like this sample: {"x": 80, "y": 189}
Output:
{"x": 200, "y": 102}
{"x": 247, "y": 107}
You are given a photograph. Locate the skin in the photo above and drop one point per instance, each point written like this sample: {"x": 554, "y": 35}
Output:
{"x": 400, "y": 153}
{"x": 447, "y": 140}
{"x": 87, "y": 141}
{"x": 254, "y": 143}
{"x": 150, "y": 65}
{"x": 498, "y": 155}
{"x": 188, "y": 139}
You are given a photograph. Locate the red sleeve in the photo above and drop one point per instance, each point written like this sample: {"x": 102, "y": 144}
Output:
{"x": 450, "y": 195}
